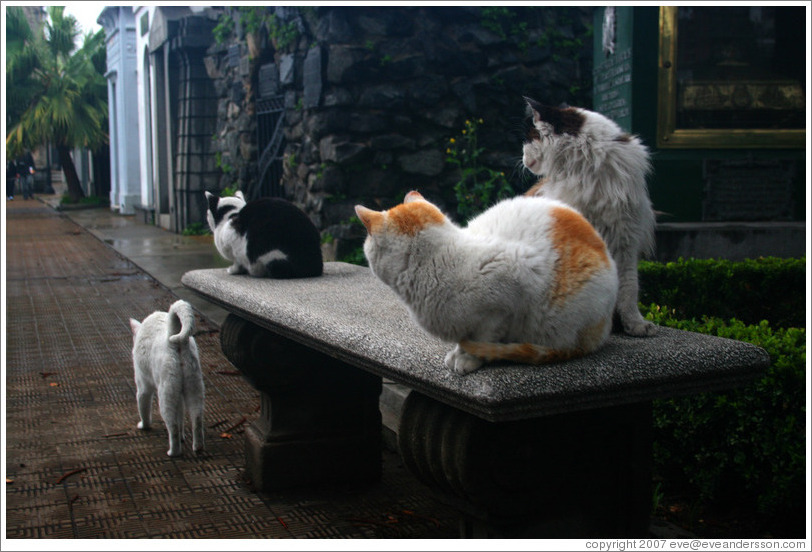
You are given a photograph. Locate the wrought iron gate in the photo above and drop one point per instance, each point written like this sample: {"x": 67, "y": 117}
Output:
{"x": 271, "y": 142}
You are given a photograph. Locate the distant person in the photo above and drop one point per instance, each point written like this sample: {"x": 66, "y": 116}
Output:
{"x": 11, "y": 179}
{"x": 25, "y": 170}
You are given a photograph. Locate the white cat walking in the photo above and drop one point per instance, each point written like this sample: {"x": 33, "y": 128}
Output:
{"x": 166, "y": 360}
{"x": 529, "y": 280}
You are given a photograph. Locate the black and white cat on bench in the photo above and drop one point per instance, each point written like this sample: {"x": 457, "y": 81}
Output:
{"x": 265, "y": 238}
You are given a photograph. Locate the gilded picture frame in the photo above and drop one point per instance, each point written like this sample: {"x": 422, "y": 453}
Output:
{"x": 669, "y": 135}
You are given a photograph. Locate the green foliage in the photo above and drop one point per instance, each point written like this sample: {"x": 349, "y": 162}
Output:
{"x": 224, "y": 166}
{"x": 282, "y": 34}
{"x": 254, "y": 19}
{"x": 478, "y": 186}
{"x": 502, "y": 22}
{"x": 356, "y": 257}
{"x": 87, "y": 201}
{"x": 60, "y": 93}
{"x": 744, "y": 447}
{"x": 196, "y": 229}
{"x": 568, "y": 46}
{"x": 767, "y": 288}
{"x": 229, "y": 191}
{"x": 66, "y": 94}
{"x": 224, "y": 27}
{"x": 22, "y": 60}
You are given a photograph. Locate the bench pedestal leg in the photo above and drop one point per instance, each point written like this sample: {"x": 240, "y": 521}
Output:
{"x": 585, "y": 474}
{"x": 319, "y": 418}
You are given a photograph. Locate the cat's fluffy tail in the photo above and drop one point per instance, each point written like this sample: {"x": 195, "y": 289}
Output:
{"x": 524, "y": 353}
{"x": 181, "y": 323}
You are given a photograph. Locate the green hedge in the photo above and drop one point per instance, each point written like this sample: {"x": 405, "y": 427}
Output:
{"x": 767, "y": 288}
{"x": 745, "y": 448}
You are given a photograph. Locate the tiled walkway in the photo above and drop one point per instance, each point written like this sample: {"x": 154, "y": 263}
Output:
{"x": 76, "y": 466}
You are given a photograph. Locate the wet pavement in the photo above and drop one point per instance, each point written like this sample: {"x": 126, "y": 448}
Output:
{"x": 164, "y": 255}
{"x": 76, "y": 466}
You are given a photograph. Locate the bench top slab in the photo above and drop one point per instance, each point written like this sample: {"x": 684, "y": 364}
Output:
{"x": 349, "y": 314}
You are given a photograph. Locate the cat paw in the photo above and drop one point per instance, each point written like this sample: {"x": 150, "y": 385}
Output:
{"x": 176, "y": 452}
{"x": 236, "y": 269}
{"x": 461, "y": 363}
{"x": 141, "y": 425}
{"x": 640, "y": 328}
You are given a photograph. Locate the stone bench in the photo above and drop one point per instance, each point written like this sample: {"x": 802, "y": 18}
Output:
{"x": 556, "y": 450}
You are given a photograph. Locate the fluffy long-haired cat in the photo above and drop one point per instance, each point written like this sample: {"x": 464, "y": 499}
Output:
{"x": 529, "y": 280}
{"x": 588, "y": 162}
{"x": 166, "y": 362}
{"x": 268, "y": 237}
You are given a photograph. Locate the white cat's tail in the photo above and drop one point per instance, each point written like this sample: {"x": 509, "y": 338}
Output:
{"x": 524, "y": 353}
{"x": 181, "y": 322}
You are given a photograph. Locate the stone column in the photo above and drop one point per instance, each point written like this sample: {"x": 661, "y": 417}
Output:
{"x": 319, "y": 420}
{"x": 579, "y": 475}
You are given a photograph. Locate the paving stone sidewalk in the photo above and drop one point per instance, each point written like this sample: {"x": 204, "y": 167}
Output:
{"x": 76, "y": 466}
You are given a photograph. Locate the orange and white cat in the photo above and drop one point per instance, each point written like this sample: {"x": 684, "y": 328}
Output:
{"x": 528, "y": 281}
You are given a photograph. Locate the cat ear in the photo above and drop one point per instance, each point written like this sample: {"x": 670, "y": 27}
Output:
{"x": 213, "y": 201}
{"x": 563, "y": 120}
{"x": 412, "y": 196}
{"x": 542, "y": 112}
{"x": 135, "y": 324}
{"x": 372, "y": 220}
{"x": 534, "y": 107}
{"x": 238, "y": 194}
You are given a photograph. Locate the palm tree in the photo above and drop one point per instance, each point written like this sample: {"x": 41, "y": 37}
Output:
{"x": 65, "y": 98}
{"x": 21, "y": 61}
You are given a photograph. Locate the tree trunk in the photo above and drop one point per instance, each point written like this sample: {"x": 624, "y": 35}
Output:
{"x": 69, "y": 170}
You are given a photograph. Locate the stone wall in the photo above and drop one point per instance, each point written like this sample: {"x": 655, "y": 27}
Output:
{"x": 373, "y": 95}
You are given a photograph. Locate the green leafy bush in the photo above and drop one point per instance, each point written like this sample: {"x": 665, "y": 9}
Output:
{"x": 255, "y": 18}
{"x": 196, "y": 229}
{"x": 356, "y": 257}
{"x": 229, "y": 191}
{"x": 479, "y": 186}
{"x": 88, "y": 201}
{"x": 744, "y": 448}
{"x": 767, "y": 288}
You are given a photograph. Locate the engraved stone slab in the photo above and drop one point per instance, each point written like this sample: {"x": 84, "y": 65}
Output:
{"x": 268, "y": 80}
{"x": 312, "y": 78}
{"x": 747, "y": 190}
{"x": 234, "y": 54}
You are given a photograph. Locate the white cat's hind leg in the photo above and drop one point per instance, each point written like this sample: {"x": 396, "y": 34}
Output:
{"x": 175, "y": 431}
{"x": 144, "y": 398}
{"x": 195, "y": 408}
{"x": 236, "y": 268}
{"x": 170, "y": 402}
{"x": 197, "y": 430}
